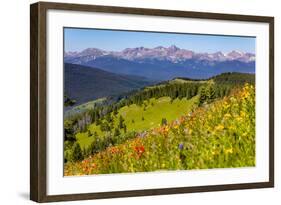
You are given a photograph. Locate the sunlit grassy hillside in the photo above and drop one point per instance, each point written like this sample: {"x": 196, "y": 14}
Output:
{"x": 220, "y": 134}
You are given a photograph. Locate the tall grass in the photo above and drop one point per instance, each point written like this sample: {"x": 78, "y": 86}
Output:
{"x": 216, "y": 135}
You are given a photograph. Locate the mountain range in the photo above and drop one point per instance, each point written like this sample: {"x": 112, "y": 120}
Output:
{"x": 163, "y": 63}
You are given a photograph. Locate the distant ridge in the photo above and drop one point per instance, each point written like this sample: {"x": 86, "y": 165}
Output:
{"x": 83, "y": 84}
{"x": 238, "y": 77}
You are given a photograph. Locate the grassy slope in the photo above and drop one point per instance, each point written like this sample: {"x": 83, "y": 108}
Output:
{"x": 162, "y": 107}
{"x": 155, "y": 110}
{"x": 83, "y": 107}
{"x": 177, "y": 80}
{"x": 218, "y": 135}
{"x": 153, "y": 114}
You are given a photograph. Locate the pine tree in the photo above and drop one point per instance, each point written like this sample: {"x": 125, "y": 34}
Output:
{"x": 164, "y": 121}
{"x": 108, "y": 118}
{"x": 105, "y": 127}
{"x": 77, "y": 154}
{"x": 202, "y": 95}
{"x": 212, "y": 93}
{"x": 115, "y": 111}
{"x": 121, "y": 122}
{"x": 125, "y": 129}
{"x": 116, "y": 132}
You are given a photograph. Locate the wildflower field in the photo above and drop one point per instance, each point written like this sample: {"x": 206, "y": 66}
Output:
{"x": 215, "y": 134}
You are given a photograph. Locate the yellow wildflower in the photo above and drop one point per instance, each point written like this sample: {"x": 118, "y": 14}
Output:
{"x": 231, "y": 127}
{"x": 219, "y": 127}
{"x": 239, "y": 118}
{"x": 242, "y": 114}
{"x": 226, "y": 105}
{"x": 227, "y": 115}
{"x": 176, "y": 126}
{"x": 244, "y": 134}
{"x": 228, "y": 151}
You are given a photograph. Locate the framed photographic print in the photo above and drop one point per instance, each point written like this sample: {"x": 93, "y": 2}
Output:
{"x": 134, "y": 102}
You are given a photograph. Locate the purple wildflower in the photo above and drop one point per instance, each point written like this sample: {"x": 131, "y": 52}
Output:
{"x": 181, "y": 146}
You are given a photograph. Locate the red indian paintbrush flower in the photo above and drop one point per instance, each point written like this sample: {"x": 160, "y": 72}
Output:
{"x": 139, "y": 150}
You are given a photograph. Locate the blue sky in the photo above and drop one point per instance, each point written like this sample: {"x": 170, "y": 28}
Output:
{"x": 80, "y": 39}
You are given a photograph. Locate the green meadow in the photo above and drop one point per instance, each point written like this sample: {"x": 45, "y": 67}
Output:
{"x": 140, "y": 118}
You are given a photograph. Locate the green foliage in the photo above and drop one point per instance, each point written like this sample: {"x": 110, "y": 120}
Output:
{"x": 125, "y": 129}
{"x": 208, "y": 93}
{"x": 220, "y": 135}
{"x": 121, "y": 122}
{"x": 116, "y": 132}
{"x": 133, "y": 119}
{"x": 164, "y": 121}
{"x": 234, "y": 78}
{"x": 105, "y": 127}
{"x": 69, "y": 134}
{"x": 175, "y": 90}
{"x": 68, "y": 101}
{"x": 76, "y": 154}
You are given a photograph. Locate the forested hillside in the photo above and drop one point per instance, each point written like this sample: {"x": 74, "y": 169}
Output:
{"x": 83, "y": 84}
